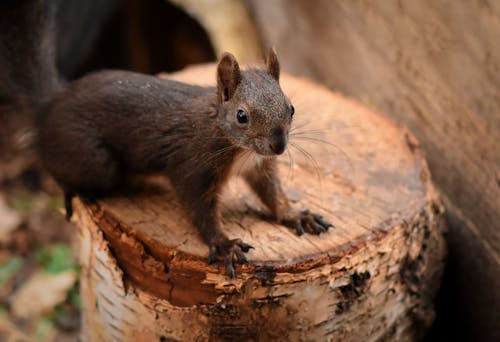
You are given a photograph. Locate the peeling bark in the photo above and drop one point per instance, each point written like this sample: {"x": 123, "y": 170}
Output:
{"x": 372, "y": 277}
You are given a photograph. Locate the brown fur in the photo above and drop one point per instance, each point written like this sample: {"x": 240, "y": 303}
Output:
{"x": 114, "y": 123}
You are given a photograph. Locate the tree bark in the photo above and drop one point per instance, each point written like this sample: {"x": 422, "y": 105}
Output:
{"x": 371, "y": 277}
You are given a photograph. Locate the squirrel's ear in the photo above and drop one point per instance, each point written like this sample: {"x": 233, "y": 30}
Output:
{"x": 273, "y": 65}
{"x": 228, "y": 76}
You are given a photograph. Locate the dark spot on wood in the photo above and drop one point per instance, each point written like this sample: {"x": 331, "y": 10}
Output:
{"x": 427, "y": 232}
{"x": 269, "y": 300}
{"x": 352, "y": 291}
{"x": 233, "y": 332}
{"x": 265, "y": 273}
{"x": 221, "y": 310}
{"x": 341, "y": 307}
{"x": 411, "y": 271}
{"x": 359, "y": 279}
{"x": 410, "y": 275}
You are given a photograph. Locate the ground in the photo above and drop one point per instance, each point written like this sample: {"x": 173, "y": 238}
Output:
{"x": 39, "y": 298}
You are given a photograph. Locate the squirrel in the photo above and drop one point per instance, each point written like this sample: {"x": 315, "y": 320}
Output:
{"x": 110, "y": 124}
{"x": 97, "y": 130}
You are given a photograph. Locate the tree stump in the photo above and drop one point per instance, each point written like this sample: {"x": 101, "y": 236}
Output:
{"x": 373, "y": 276}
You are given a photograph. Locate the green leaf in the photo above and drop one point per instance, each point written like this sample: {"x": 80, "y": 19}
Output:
{"x": 43, "y": 328}
{"x": 74, "y": 297}
{"x": 9, "y": 268}
{"x": 56, "y": 258}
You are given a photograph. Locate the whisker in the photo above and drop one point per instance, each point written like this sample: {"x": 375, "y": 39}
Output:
{"x": 310, "y": 158}
{"x": 319, "y": 140}
{"x": 219, "y": 153}
{"x": 312, "y": 131}
{"x": 290, "y": 163}
{"x": 247, "y": 155}
{"x": 316, "y": 130}
{"x": 294, "y": 128}
{"x": 208, "y": 159}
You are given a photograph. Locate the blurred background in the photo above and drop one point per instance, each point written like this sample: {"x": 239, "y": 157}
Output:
{"x": 431, "y": 65}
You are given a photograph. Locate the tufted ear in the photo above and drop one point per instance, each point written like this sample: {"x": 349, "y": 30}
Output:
{"x": 228, "y": 77}
{"x": 273, "y": 65}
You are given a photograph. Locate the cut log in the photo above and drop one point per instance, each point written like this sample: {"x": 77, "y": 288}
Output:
{"x": 373, "y": 276}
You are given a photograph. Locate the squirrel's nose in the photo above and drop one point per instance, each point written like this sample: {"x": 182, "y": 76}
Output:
{"x": 278, "y": 141}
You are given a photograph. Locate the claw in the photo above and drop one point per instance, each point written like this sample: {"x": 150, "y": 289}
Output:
{"x": 299, "y": 229}
{"x": 306, "y": 221}
{"x": 322, "y": 221}
{"x": 230, "y": 251}
{"x": 228, "y": 260}
{"x": 212, "y": 255}
{"x": 245, "y": 247}
{"x": 242, "y": 259}
{"x": 317, "y": 227}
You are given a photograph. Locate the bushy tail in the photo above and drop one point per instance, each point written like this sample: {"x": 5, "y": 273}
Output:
{"x": 28, "y": 73}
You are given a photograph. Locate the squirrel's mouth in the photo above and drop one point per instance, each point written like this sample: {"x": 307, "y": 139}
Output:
{"x": 269, "y": 146}
{"x": 278, "y": 148}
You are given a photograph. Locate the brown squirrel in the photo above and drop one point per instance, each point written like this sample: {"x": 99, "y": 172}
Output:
{"x": 113, "y": 123}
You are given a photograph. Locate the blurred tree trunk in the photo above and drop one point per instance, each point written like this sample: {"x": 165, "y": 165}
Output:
{"x": 434, "y": 66}
{"x": 229, "y": 26}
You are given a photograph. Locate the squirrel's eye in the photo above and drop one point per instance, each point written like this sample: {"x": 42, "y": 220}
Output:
{"x": 242, "y": 116}
{"x": 292, "y": 110}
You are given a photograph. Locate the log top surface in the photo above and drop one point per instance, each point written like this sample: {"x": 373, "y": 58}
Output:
{"x": 360, "y": 171}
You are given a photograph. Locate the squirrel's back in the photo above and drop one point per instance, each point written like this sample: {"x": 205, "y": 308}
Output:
{"x": 124, "y": 122}
{"x": 111, "y": 103}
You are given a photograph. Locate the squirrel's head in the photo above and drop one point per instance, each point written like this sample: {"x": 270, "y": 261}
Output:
{"x": 252, "y": 107}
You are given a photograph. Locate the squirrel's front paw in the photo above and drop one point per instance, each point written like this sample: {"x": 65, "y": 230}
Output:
{"x": 230, "y": 251}
{"x": 305, "y": 221}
